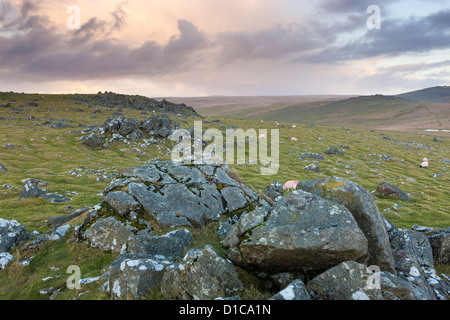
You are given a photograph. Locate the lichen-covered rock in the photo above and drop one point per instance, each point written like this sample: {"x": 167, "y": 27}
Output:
{"x": 333, "y": 150}
{"x": 55, "y": 234}
{"x": 170, "y": 244}
{"x": 361, "y": 204}
{"x": 234, "y": 236}
{"x": 92, "y": 141}
{"x": 294, "y": 291}
{"x": 109, "y": 234}
{"x": 122, "y": 203}
{"x": 12, "y": 234}
{"x": 411, "y": 252}
{"x": 133, "y": 276}
{"x": 346, "y": 281}
{"x": 395, "y": 288}
{"x": 303, "y": 232}
{"x": 440, "y": 287}
{"x": 274, "y": 191}
{"x": 202, "y": 275}
{"x": 440, "y": 242}
{"x": 171, "y": 196}
{"x": 178, "y": 195}
{"x": 5, "y": 259}
{"x": 30, "y": 190}
{"x": 158, "y": 125}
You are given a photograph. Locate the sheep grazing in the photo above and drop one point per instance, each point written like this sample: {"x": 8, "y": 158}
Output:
{"x": 424, "y": 164}
{"x": 294, "y": 139}
{"x": 290, "y": 185}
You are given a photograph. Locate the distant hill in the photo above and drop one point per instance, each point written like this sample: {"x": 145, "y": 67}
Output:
{"x": 435, "y": 95}
{"x": 396, "y": 113}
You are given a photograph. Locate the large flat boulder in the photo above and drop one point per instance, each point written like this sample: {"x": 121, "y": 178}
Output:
{"x": 302, "y": 232}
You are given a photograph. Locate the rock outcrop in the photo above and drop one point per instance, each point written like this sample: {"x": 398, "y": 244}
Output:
{"x": 361, "y": 204}
{"x": 326, "y": 240}
{"x": 303, "y": 232}
{"x": 168, "y": 195}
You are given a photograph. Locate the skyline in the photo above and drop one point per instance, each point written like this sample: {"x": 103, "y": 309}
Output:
{"x": 216, "y": 47}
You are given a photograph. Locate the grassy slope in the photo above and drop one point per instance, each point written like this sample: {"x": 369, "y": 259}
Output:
{"x": 436, "y": 94}
{"x": 379, "y": 112}
{"x": 50, "y": 153}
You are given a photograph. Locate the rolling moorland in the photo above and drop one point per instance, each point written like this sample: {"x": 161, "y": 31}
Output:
{"x": 412, "y": 112}
{"x": 383, "y": 138}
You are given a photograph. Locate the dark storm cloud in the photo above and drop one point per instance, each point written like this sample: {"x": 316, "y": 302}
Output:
{"x": 275, "y": 43}
{"x": 111, "y": 59}
{"x": 396, "y": 37}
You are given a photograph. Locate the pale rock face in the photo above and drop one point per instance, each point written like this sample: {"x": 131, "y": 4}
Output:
{"x": 5, "y": 259}
{"x": 12, "y": 233}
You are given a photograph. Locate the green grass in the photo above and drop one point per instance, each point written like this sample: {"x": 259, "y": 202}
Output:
{"x": 51, "y": 153}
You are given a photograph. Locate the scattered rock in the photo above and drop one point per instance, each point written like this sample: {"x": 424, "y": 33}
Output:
{"x": 35, "y": 182}
{"x": 31, "y": 191}
{"x": 12, "y": 234}
{"x": 333, "y": 150}
{"x": 55, "y": 234}
{"x": 313, "y": 167}
{"x": 58, "y": 221}
{"x": 387, "y": 189}
{"x": 311, "y": 155}
{"x": 92, "y": 141}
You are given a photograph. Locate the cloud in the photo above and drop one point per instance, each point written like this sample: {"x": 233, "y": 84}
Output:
{"x": 267, "y": 55}
{"x": 396, "y": 37}
{"x": 38, "y": 50}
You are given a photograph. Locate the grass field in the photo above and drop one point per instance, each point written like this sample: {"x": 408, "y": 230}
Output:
{"x": 30, "y": 148}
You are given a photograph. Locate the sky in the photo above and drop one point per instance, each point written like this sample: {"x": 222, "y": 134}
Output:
{"x": 185, "y": 48}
